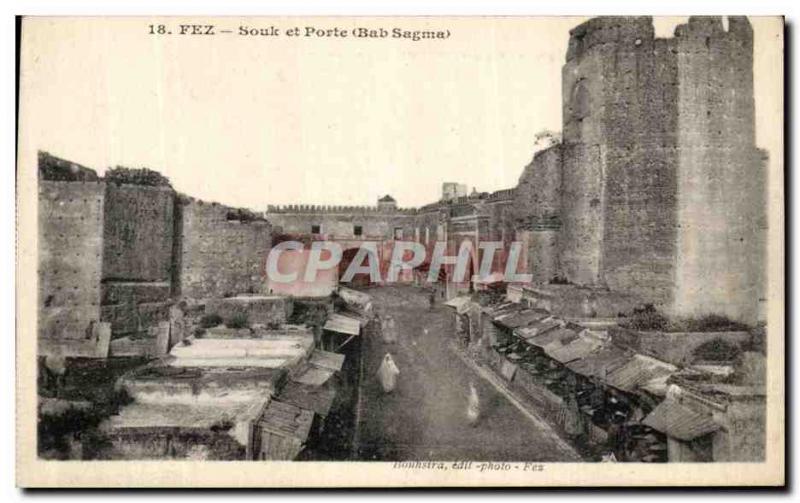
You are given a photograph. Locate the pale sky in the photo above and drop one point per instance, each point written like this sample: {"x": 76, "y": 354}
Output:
{"x": 251, "y": 121}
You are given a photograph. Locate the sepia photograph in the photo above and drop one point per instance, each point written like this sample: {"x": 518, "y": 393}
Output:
{"x": 400, "y": 251}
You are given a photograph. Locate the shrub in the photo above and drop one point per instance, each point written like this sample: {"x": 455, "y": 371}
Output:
{"x": 238, "y": 320}
{"x": 646, "y": 318}
{"x": 137, "y": 176}
{"x": 53, "y": 168}
{"x": 714, "y": 323}
{"x": 243, "y": 215}
{"x": 210, "y": 320}
{"x": 716, "y": 350}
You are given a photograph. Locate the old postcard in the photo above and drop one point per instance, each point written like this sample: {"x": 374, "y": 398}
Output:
{"x": 400, "y": 252}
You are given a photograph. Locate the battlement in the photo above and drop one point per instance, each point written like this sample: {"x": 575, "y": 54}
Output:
{"x": 703, "y": 34}
{"x": 309, "y": 209}
{"x": 637, "y": 32}
{"x": 502, "y": 195}
{"x": 713, "y": 26}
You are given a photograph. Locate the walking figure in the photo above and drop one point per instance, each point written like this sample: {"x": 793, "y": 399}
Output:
{"x": 473, "y": 406}
{"x": 389, "y": 330}
{"x": 387, "y": 373}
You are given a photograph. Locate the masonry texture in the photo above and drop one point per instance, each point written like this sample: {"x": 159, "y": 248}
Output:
{"x": 137, "y": 256}
{"x": 663, "y": 187}
{"x": 221, "y": 254}
{"x": 70, "y": 249}
{"x": 123, "y": 253}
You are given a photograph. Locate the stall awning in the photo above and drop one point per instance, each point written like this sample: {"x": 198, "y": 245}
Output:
{"x": 601, "y": 362}
{"x": 498, "y": 309}
{"x": 461, "y": 304}
{"x": 537, "y": 329}
{"x": 580, "y": 347}
{"x": 638, "y": 371}
{"x": 315, "y": 398}
{"x": 284, "y": 429}
{"x": 679, "y": 421}
{"x": 313, "y": 376}
{"x": 521, "y": 318}
{"x": 327, "y": 360}
{"x": 343, "y": 324}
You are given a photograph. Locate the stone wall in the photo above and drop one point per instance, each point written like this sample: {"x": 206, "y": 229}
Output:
{"x": 580, "y": 242}
{"x": 258, "y": 310}
{"x": 744, "y": 437}
{"x": 619, "y": 130}
{"x": 218, "y": 256}
{"x": 538, "y": 192}
{"x": 138, "y": 233}
{"x": 541, "y": 259}
{"x": 663, "y": 189}
{"x": 536, "y": 209}
{"x": 428, "y": 224}
{"x": 324, "y": 282}
{"x": 721, "y": 200}
{"x": 134, "y": 307}
{"x": 341, "y": 222}
{"x": 675, "y": 347}
{"x": 70, "y": 248}
{"x": 137, "y": 256}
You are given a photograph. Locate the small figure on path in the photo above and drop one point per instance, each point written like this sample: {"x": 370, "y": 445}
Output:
{"x": 473, "y": 405}
{"x": 424, "y": 334}
{"x": 388, "y": 330}
{"x": 387, "y": 373}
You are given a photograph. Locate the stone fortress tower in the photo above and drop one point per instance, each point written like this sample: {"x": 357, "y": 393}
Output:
{"x": 660, "y": 183}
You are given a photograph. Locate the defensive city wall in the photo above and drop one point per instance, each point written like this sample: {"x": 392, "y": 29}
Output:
{"x": 121, "y": 251}
{"x": 656, "y": 189}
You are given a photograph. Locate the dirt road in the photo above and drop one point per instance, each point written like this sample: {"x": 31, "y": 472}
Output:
{"x": 425, "y": 417}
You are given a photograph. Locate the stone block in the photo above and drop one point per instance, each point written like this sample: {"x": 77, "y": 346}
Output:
{"x": 259, "y": 309}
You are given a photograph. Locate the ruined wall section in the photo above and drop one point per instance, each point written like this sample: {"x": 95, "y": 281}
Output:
{"x": 137, "y": 256}
{"x": 70, "y": 248}
{"x": 537, "y": 209}
{"x": 538, "y": 192}
{"x": 721, "y": 206}
{"x": 220, "y": 256}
